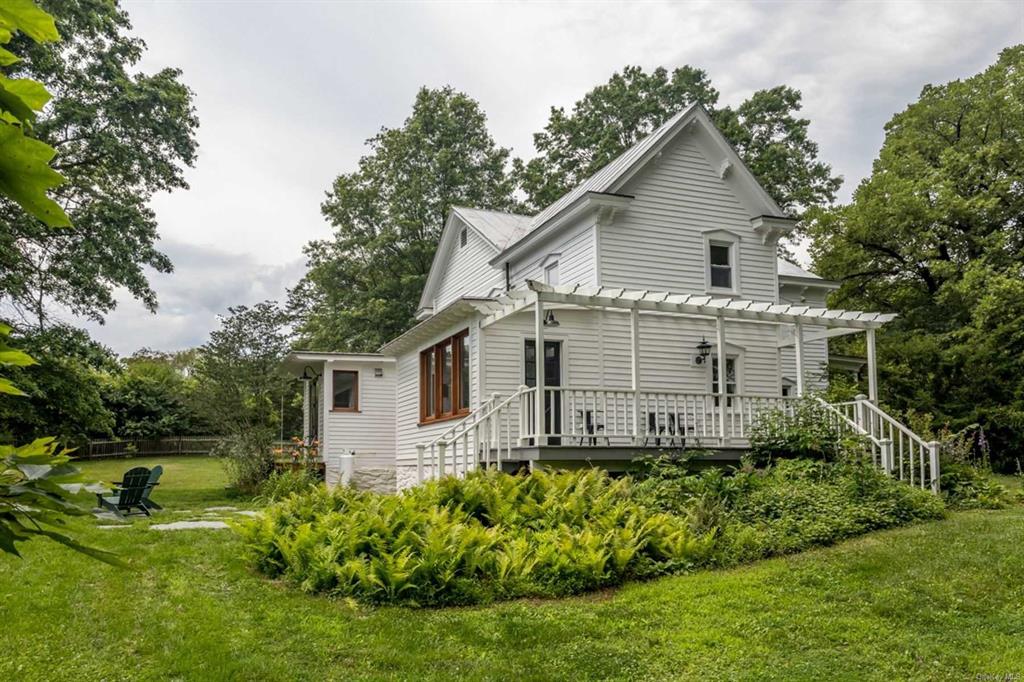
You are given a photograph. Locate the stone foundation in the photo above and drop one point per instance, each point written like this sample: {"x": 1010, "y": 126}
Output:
{"x": 406, "y": 477}
{"x": 376, "y": 480}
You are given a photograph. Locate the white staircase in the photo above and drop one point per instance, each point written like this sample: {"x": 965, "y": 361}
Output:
{"x": 895, "y": 448}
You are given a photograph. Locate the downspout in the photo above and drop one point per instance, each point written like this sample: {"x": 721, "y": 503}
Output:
{"x": 508, "y": 277}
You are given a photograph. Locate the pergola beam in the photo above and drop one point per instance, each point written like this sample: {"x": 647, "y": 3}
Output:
{"x": 685, "y": 305}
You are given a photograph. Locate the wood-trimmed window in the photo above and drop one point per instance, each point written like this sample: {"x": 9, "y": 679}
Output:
{"x": 346, "y": 390}
{"x": 444, "y": 379}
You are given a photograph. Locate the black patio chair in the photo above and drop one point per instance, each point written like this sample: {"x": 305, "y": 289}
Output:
{"x": 127, "y": 494}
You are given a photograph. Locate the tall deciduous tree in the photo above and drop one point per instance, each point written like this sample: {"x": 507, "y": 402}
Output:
{"x": 936, "y": 234}
{"x": 120, "y": 137}
{"x": 240, "y": 388}
{"x": 36, "y": 478}
{"x": 765, "y": 129}
{"x": 363, "y": 285}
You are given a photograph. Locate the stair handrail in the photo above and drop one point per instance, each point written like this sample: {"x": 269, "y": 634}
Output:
{"x": 492, "y": 406}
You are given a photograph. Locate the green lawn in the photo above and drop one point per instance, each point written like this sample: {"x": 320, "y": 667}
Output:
{"x": 943, "y": 600}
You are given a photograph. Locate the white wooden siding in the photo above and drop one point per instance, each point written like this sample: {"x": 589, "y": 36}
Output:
{"x": 815, "y": 352}
{"x": 370, "y": 432}
{"x": 467, "y": 272}
{"x": 575, "y": 246}
{"x": 596, "y": 352}
{"x": 657, "y": 242}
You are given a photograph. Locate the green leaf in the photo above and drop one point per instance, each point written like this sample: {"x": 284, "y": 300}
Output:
{"x": 10, "y": 389}
{"x": 25, "y": 175}
{"x": 22, "y": 97}
{"x": 27, "y": 17}
{"x": 16, "y": 358}
{"x": 7, "y": 57}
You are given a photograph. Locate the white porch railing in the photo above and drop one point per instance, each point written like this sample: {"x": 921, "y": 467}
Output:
{"x": 584, "y": 416}
{"x": 894, "y": 447}
{"x": 596, "y": 416}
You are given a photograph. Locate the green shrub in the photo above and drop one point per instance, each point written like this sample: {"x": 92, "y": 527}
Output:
{"x": 281, "y": 484}
{"x": 248, "y": 459}
{"x": 809, "y": 432}
{"x": 464, "y": 541}
{"x": 965, "y": 486}
{"x": 493, "y": 536}
{"x": 790, "y": 506}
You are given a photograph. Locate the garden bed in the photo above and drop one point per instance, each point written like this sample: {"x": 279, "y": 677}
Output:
{"x": 491, "y": 536}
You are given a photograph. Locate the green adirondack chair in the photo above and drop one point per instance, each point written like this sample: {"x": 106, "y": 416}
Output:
{"x": 154, "y": 478}
{"x": 127, "y": 494}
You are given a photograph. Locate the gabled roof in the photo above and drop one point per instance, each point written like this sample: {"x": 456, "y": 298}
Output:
{"x": 497, "y": 227}
{"x": 610, "y": 178}
{"x": 604, "y": 179}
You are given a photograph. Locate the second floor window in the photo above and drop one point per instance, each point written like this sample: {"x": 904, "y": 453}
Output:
{"x": 720, "y": 262}
{"x": 444, "y": 379}
{"x": 551, "y": 274}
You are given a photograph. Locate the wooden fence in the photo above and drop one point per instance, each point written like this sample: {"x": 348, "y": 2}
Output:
{"x": 142, "y": 447}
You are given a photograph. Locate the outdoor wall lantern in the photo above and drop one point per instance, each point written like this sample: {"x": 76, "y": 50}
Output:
{"x": 703, "y": 350}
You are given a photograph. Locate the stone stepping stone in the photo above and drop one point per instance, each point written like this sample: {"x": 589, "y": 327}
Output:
{"x": 249, "y": 512}
{"x": 220, "y": 509}
{"x": 187, "y": 525}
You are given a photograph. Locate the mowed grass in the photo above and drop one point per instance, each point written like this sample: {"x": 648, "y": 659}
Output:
{"x": 943, "y": 600}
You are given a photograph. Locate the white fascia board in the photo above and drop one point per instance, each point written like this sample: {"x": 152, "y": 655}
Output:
{"x": 588, "y": 202}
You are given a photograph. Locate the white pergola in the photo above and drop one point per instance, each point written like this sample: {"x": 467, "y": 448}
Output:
{"x": 835, "y": 322}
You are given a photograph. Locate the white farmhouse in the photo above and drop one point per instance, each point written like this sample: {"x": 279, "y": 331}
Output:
{"x": 664, "y": 317}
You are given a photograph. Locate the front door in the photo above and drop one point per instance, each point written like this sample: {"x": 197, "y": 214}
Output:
{"x": 552, "y": 377}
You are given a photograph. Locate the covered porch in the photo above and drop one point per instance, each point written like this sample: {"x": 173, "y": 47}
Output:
{"x": 575, "y": 421}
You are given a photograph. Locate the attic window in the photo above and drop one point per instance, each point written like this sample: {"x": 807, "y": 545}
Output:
{"x": 463, "y": 238}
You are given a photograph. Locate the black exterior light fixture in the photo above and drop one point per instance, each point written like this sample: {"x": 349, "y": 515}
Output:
{"x": 549, "y": 319}
{"x": 703, "y": 351}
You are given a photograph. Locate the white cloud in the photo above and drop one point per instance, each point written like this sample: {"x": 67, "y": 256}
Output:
{"x": 288, "y": 92}
{"x": 205, "y": 283}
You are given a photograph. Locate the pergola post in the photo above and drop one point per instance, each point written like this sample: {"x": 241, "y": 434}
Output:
{"x": 798, "y": 332}
{"x": 538, "y": 355}
{"x": 722, "y": 362}
{"x": 634, "y": 345}
{"x": 872, "y": 367}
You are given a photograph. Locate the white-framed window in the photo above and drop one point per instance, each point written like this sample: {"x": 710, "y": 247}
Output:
{"x": 733, "y": 369}
{"x": 551, "y": 273}
{"x": 720, "y": 263}
{"x": 721, "y": 258}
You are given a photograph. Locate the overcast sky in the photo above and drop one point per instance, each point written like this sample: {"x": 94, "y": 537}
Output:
{"x": 288, "y": 91}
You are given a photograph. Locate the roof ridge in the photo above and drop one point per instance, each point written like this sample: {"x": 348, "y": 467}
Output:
{"x": 492, "y": 210}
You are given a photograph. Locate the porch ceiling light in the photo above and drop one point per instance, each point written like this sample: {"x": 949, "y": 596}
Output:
{"x": 549, "y": 319}
{"x": 703, "y": 350}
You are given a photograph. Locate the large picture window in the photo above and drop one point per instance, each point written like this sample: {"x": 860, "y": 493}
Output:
{"x": 444, "y": 379}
